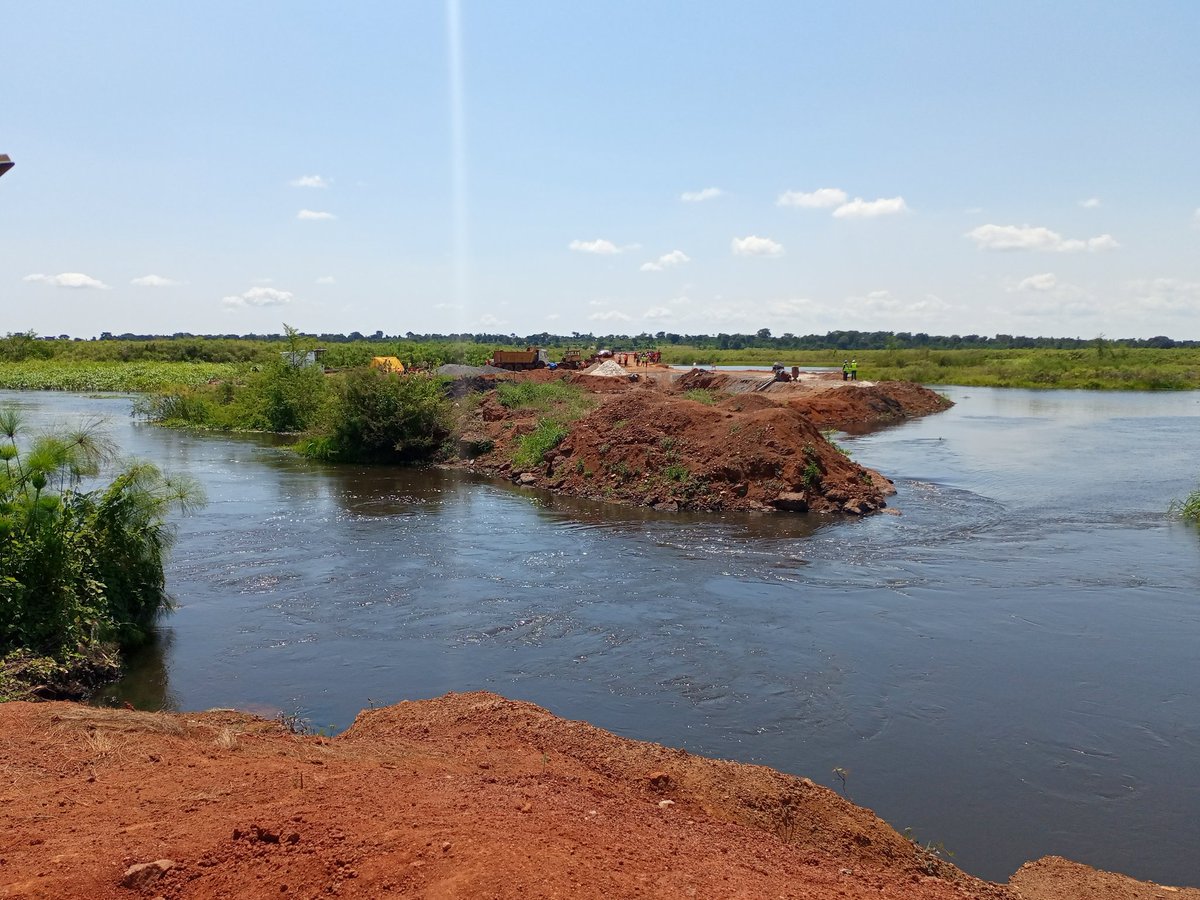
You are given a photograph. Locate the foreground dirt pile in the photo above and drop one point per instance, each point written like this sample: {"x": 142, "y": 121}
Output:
{"x": 470, "y": 795}
{"x": 706, "y": 441}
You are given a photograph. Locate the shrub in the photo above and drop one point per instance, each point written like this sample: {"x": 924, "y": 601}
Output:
{"x": 382, "y": 417}
{"x": 79, "y": 568}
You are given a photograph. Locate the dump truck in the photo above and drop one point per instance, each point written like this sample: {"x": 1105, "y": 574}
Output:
{"x": 518, "y": 360}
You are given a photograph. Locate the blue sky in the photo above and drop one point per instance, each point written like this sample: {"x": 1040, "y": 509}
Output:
{"x": 1023, "y": 168}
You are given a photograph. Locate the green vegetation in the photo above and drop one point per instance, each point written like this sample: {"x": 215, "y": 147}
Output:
{"x": 147, "y": 363}
{"x": 559, "y": 403}
{"x": 128, "y": 377}
{"x": 382, "y": 417}
{"x": 533, "y": 447}
{"x": 560, "y": 399}
{"x": 81, "y": 571}
{"x": 701, "y": 395}
{"x": 1187, "y": 509}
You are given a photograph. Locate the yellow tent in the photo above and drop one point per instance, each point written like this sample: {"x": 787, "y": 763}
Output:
{"x": 387, "y": 364}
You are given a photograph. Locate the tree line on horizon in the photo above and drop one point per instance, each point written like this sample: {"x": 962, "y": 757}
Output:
{"x": 24, "y": 345}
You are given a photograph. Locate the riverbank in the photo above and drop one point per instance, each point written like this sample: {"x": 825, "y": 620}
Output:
{"x": 468, "y": 795}
{"x": 700, "y": 440}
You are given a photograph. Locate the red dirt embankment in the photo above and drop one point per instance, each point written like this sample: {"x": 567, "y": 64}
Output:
{"x": 469, "y": 795}
{"x": 756, "y": 445}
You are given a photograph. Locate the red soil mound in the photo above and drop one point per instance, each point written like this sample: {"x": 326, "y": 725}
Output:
{"x": 648, "y": 444}
{"x": 470, "y": 795}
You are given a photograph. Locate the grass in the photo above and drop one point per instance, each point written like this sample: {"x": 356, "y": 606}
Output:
{"x": 559, "y": 404}
{"x": 1187, "y": 509}
{"x": 533, "y": 447}
{"x": 565, "y": 402}
{"x": 700, "y": 395}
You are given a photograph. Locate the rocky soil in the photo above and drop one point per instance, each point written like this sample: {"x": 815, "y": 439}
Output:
{"x": 705, "y": 441}
{"x": 469, "y": 795}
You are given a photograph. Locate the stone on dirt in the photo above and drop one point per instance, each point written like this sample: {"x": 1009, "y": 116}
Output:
{"x": 141, "y": 875}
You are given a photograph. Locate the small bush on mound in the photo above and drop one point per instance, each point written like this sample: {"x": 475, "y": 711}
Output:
{"x": 382, "y": 417}
{"x": 533, "y": 447}
{"x": 79, "y": 569}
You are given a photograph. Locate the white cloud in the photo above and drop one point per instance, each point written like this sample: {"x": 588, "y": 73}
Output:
{"x": 1028, "y": 237}
{"x": 312, "y": 215}
{"x": 554, "y": 317}
{"x": 259, "y": 296}
{"x": 598, "y": 246}
{"x": 752, "y": 245}
{"x": 708, "y": 193}
{"x": 612, "y": 315}
{"x": 68, "y": 280}
{"x": 884, "y": 303}
{"x": 818, "y": 199}
{"x": 154, "y": 281}
{"x": 658, "y": 312}
{"x": 1047, "y": 281}
{"x": 1196, "y": 217}
{"x": 858, "y": 208}
{"x": 487, "y": 320}
{"x": 1167, "y": 295}
{"x": 326, "y": 279}
{"x": 309, "y": 181}
{"x": 1090, "y": 203}
{"x": 666, "y": 261}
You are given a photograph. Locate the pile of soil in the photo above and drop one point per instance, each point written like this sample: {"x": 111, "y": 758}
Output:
{"x": 651, "y": 449}
{"x": 470, "y": 795}
{"x": 650, "y": 444}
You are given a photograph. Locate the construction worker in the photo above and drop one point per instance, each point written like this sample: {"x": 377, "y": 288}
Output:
{"x": 845, "y": 370}
{"x": 854, "y": 370}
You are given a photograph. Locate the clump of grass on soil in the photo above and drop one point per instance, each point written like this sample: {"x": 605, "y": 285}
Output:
{"x": 562, "y": 401}
{"x": 533, "y": 447}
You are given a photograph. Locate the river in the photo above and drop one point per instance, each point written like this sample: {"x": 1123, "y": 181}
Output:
{"x": 1008, "y": 668}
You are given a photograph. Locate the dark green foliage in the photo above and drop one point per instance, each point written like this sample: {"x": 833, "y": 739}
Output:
{"x": 20, "y": 346}
{"x": 79, "y": 567}
{"x": 288, "y": 397}
{"x": 381, "y": 417}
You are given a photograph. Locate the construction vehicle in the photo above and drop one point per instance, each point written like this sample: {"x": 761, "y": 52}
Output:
{"x": 572, "y": 359}
{"x": 389, "y": 365}
{"x": 520, "y": 360}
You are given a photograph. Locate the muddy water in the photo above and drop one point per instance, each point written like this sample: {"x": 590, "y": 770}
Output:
{"x": 1009, "y": 668}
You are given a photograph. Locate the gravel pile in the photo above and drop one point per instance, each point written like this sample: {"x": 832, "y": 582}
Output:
{"x": 607, "y": 369}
